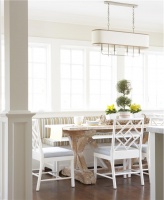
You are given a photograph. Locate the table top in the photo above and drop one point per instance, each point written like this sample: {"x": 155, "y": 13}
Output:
{"x": 80, "y": 127}
{"x": 155, "y": 129}
{"x": 73, "y": 127}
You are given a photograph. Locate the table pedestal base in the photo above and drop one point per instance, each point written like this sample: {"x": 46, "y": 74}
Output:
{"x": 86, "y": 177}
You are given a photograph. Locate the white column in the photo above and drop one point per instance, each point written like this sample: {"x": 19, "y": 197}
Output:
{"x": 16, "y": 159}
{"x": 16, "y": 54}
{"x": 16, "y": 122}
{"x": 0, "y": 64}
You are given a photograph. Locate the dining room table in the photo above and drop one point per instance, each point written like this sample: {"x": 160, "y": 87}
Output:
{"x": 79, "y": 137}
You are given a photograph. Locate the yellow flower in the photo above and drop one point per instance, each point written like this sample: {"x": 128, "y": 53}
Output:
{"x": 110, "y": 109}
{"x": 135, "y": 108}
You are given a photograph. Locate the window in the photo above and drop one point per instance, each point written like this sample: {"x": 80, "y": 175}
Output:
{"x": 134, "y": 71}
{"x": 72, "y": 79}
{"x": 155, "y": 81}
{"x": 101, "y": 80}
{"x": 39, "y": 95}
{"x": 86, "y": 80}
{"x": 39, "y": 78}
{"x": 85, "y": 77}
{"x": 146, "y": 75}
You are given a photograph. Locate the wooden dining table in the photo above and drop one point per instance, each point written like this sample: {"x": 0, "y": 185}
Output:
{"x": 80, "y": 137}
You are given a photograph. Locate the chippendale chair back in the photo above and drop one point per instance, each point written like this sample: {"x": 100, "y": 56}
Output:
{"x": 126, "y": 144}
{"x": 50, "y": 154}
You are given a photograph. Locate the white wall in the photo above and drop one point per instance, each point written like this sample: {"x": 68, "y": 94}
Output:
{"x": 49, "y": 29}
{"x": 76, "y": 32}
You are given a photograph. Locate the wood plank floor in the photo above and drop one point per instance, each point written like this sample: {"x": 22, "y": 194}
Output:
{"x": 127, "y": 189}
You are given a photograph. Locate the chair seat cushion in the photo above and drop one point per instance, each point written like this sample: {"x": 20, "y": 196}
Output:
{"x": 107, "y": 149}
{"x": 103, "y": 150}
{"x": 56, "y": 152}
{"x": 144, "y": 148}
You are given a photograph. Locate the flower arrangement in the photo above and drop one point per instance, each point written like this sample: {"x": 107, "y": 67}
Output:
{"x": 110, "y": 109}
{"x": 135, "y": 108}
{"x": 123, "y": 102}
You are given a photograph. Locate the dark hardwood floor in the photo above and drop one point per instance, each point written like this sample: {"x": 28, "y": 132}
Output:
{"x": 127, "y": 189}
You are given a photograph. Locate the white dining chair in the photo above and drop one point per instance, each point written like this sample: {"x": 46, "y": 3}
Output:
{"x": 55, "y": 154}
{"x": 126, "y": 144}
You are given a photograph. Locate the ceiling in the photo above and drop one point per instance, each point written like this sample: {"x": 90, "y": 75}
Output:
{"x": 149, "y": 15}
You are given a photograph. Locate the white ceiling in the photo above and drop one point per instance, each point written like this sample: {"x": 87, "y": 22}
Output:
{"x": 149, "y": 15}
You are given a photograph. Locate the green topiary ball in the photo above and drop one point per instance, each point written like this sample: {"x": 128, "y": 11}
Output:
{"x": 124, "y": 87}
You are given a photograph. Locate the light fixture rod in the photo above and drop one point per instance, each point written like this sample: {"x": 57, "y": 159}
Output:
{"x": 120, "y": 4}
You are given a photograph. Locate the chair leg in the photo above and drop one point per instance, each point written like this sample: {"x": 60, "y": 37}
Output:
{"x": 129, "y": 167}
{"x": 113, "y": 175}
{"x": 95, "y": 166}
{"x": 43, "y": 167}
{"x": 39, "y": 176}
{"x": 72, "y": 173}
{"x": 148, "y": 163}
{"x": 57, "y": 168}
{"x": 141, "y": 171}
{"x": 124, "y": 167}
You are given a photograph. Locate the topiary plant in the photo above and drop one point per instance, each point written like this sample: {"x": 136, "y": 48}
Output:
{"x": 124, "y": 102}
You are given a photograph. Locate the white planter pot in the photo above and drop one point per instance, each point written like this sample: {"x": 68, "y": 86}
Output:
{"x": 111, "y": 116}
{"x": 139, "y": 114}
{"x": 125, "y": 114}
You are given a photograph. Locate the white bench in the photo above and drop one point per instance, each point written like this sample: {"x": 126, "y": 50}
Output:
{"x": 45, "y": 132}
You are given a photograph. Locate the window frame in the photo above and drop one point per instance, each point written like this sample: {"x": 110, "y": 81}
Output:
{"x": 41, "y": 42}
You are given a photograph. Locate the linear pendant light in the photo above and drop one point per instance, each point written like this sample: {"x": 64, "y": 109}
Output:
{"x": 120, "y": 43}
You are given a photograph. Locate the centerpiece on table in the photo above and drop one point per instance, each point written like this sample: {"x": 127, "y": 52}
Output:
{"x": 110, "y": 112}
{"x": 126, "y": 109}
{"x": 123, "y": 101}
